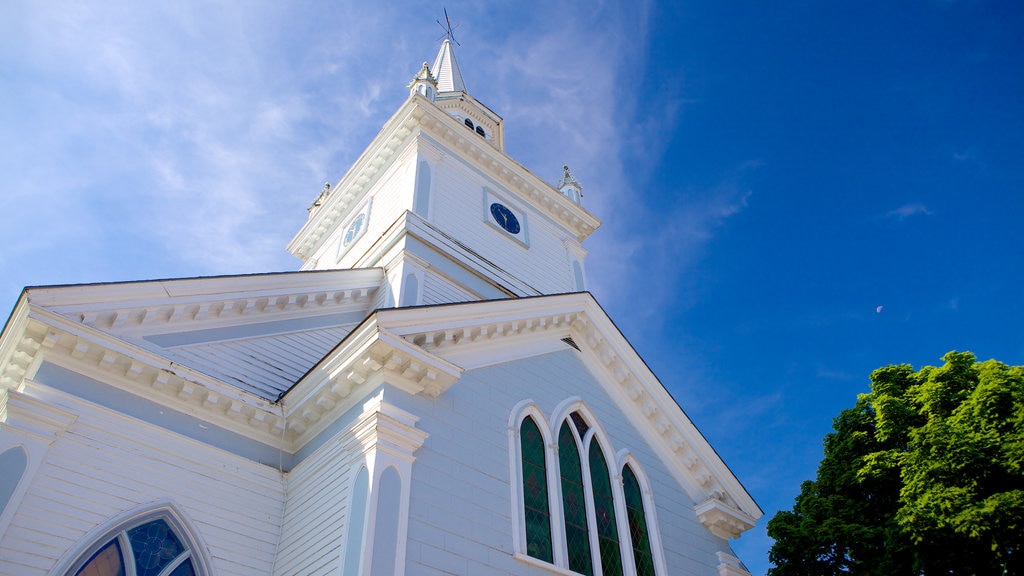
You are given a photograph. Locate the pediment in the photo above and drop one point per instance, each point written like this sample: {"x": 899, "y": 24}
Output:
{"x": 425, "y": 350}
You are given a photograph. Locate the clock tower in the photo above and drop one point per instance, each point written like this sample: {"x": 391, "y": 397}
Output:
{"x": 436, "y": 202}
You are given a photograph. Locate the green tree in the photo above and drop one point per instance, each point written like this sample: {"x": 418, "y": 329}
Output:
{"x": 924, "y": 475}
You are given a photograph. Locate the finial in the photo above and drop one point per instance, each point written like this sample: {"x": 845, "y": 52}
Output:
{"x": 569, "y": 180}
{"x": 424, "y": 82}
{"x": 569, "y": 186}
{"x": 320, "y": 199}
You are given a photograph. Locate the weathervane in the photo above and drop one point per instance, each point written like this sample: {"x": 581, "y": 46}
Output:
{"x": 449, "y": 31}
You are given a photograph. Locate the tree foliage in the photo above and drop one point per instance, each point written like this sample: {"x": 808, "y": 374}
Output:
{"x": 923, "y": 476}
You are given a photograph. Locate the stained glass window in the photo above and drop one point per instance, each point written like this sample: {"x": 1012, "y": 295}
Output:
{"x": 574, "y": 505}
{"x": 604, "y": 512}
{"x": 106, "y": 562}
{"x": 535, "y": 491}
{"x": 151, "y": 547}
{"x": 637, "y": 524}
{"x": 581, "y": 424}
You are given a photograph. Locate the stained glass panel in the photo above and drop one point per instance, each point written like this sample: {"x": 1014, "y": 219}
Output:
{"x": 154, "y": 546}
{"x": 581, "y": 424}
{"x": 106, "y": 562}
{"x": 535, "y": 491}
{"x": 637, "y": 524}
{"x": 577, "y": 538}
{"x": 604, "y": 511}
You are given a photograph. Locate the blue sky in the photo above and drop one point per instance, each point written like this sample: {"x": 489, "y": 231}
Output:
{"x": 793, "y": 193}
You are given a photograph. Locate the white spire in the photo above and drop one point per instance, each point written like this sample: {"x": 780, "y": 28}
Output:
{"x": 446, "y": 70}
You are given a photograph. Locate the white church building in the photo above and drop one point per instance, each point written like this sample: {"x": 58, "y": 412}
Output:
{"x": 433, "y": 392}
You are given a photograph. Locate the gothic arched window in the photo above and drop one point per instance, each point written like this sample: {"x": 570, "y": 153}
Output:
{"x": 643, "y": 559}
{"x": 148, "y": 546}
{"x": 574, "y": 503}
{"x": 535, "y": 491}
{"x": 574, "y": 512}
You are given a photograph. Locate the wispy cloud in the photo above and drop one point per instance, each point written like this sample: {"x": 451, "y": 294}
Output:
{"x": 909, "y": 210}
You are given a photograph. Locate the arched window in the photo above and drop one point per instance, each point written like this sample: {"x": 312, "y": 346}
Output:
{"x": 642, "y": 556}
{"x": 535, "y": 491}
{"x": 469, "y": 123}
{"x": 574, "y": 503}
{"x": 573, "y": 511}
{"x": 148, "y": 546}
{"x": 480, "y": 131}
{"x": 604, "y": 512}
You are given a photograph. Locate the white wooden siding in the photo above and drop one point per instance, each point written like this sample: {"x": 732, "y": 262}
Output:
{"x": 316, "y": 512}
{"x": 441, "y": 290}
{"x": 106, "y": 464}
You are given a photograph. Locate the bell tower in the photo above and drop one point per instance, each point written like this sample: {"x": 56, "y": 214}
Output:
{"x": 436, "y": 202}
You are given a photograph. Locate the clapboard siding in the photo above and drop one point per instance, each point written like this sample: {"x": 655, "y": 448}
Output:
{"x": 439, "y": 289}
{"x": 316, "y": 511}
{"x": 106, "y": 464}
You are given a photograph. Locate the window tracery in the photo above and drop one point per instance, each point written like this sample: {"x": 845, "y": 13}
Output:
{"x": 577, "y": 509}
{"x": 148, "y": 544}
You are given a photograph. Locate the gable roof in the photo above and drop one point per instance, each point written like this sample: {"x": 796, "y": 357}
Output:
{"x": 225, "y": 349}
{"x": 257, "y": 332}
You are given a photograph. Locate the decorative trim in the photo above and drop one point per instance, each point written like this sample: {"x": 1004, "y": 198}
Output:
{"x": 33, "y": 418}
{"x": 722, "y": 519}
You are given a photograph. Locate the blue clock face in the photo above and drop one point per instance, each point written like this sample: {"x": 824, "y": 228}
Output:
{"x": 505, "y": 218}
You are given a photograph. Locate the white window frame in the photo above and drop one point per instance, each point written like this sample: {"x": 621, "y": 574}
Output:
{"x": 615, "y": 461}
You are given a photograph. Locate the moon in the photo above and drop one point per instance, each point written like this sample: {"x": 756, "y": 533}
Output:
{"x": 879, "y": 310}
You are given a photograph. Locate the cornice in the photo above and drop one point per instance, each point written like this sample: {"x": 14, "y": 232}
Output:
{"x": 164, "y": 307}
{"x": 368, "y": 357}
{"x": 125, "y": 366}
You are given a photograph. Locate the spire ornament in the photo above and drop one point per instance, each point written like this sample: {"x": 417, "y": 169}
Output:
{"x": 424, "y": 83}
{"x": 448, "y": 29}
{"x": 569, "y": 187}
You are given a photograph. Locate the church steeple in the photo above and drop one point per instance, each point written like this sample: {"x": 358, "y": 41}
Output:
{"x": 437, "y": 204}
{"x": 446, "y": 70}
